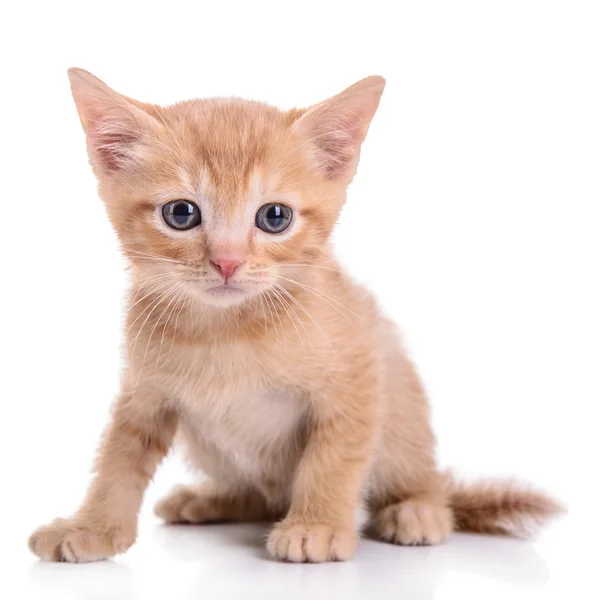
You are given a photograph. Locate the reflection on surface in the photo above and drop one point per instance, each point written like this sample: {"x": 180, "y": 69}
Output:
{"x": 229, "y": 561}
{"x": 414, "y": 570}
{"x": 93, "y": 581}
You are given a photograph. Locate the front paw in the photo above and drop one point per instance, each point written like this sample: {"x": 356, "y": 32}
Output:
{"x": 311, "y": 542}
{"x": 67, "y": 540}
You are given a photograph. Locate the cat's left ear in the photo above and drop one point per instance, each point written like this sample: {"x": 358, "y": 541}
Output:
{"x": 337, "y": 127}
{"x": 116, "y": 127}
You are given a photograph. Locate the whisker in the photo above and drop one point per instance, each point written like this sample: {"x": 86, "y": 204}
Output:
{"x": 296, "y": 301}
{"x": 154, "y": 329}
{"x": 313, "y": 266}
{"x": 156, "y": 260}
{"x": 262, "y": 306}
{"x": 187, "y": 302}
{"x": 156, "y": 304}
{"x": 264, "y": 270}
{"x": 164, "y": 329}
{"x": 268, "y": 305}
{"x": 275, "y": 312}
{"x": 139, "y": 283}
{"x": 153, "y": 304}
{"x": 144, "y": 255}
{"x": 288, "y": 309}
{"x": 152, "y": 291}
{"x": 175, "y": 288}
{"x": 329, "y": 299}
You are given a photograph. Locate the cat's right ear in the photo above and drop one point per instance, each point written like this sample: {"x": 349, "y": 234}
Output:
{"x": 116, "y": 127}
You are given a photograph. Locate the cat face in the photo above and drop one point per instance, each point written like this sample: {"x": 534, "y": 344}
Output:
{"x": 222, "y": 198}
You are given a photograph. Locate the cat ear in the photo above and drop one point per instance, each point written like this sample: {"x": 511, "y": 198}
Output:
{"x": 338, "y": 126}
{"x": 115, "y": 126}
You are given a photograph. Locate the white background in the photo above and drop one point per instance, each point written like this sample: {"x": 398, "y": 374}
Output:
{"x": 474, "y": 217}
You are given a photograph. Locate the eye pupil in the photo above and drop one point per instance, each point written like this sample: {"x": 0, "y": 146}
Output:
{"x": 274, "y": 218}
{"x": 274, "y": 215}
{"x": 181, "y": 214}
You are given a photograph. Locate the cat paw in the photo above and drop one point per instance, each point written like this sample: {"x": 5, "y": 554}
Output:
{"x": 66, "y": 540}
{"x": 315, "y": 542}
{"x": 415, "y": 523}
{"x": 185, "y": 504}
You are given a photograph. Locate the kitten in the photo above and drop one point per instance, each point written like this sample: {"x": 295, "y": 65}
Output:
{"x": 246, "y": 342}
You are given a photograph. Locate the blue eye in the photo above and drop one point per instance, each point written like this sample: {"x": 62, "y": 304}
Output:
{"x": 181, "y": 214}
{"x": 274, "y": 218}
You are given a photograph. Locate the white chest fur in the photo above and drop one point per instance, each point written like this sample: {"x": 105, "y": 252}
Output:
{"x": 236, "y": 423}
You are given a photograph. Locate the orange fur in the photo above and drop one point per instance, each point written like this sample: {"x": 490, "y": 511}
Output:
{"x": 286, "y": 385}
{"x": 502, "y": 508}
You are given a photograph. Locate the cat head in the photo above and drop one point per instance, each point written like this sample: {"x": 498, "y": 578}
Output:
{"x": 220, "y": 196}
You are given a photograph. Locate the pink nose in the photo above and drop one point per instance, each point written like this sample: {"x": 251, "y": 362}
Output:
{"x": 226, "y": 266}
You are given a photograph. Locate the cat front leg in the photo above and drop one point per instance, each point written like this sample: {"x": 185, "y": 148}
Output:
{"x": 138, "y": 437}
{"x": 326, "y": 490}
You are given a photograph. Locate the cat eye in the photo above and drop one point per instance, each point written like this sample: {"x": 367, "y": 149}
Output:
{"x": 274, "y": 218}
{"x": 181, "y": 214}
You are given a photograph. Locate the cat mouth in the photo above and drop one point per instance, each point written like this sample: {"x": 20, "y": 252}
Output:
{"x": 226, "y": 289}
{"x": 228, "y": 292}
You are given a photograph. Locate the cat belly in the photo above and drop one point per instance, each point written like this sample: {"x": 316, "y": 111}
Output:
{"x": 251, "y": 439}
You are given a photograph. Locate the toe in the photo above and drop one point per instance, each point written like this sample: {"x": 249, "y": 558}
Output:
{"x": 170, "y": 508}
{"x": 70, "y": 541}
{"x": 415, "y": 523}
{"x": 311, "y": 543}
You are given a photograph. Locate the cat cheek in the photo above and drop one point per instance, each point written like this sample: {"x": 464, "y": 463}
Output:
{"x": 288, "y": 252}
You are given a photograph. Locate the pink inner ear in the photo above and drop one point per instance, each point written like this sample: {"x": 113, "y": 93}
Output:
{"x": 338, "y": 139}
{"x": 112, "y": 141}
{"x": 338, "y": 126}
{"x": 338, "y": 133}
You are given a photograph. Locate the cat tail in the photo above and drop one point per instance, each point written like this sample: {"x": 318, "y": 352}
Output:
{"x": 499, "y": 507}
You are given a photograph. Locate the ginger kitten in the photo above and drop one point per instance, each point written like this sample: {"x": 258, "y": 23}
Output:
{"x": 248, "y": 345}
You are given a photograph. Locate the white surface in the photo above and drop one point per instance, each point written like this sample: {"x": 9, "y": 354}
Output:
{"x": 474, "y": 217}
{"x": 228, "y": 561}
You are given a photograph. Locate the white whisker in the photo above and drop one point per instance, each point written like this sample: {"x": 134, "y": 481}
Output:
{"x": 288, "y": 309}
{"x": 315, "y": 322}
{"x": 181, "y": 295}
{"x": 329, "y": 299}
{"x": 152, "y": 291}
{"x": 186, "y": 304}
{"x": 153, "y": 304}
{"x": 272, "y": 303}
{"x": 156, "y": 325}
